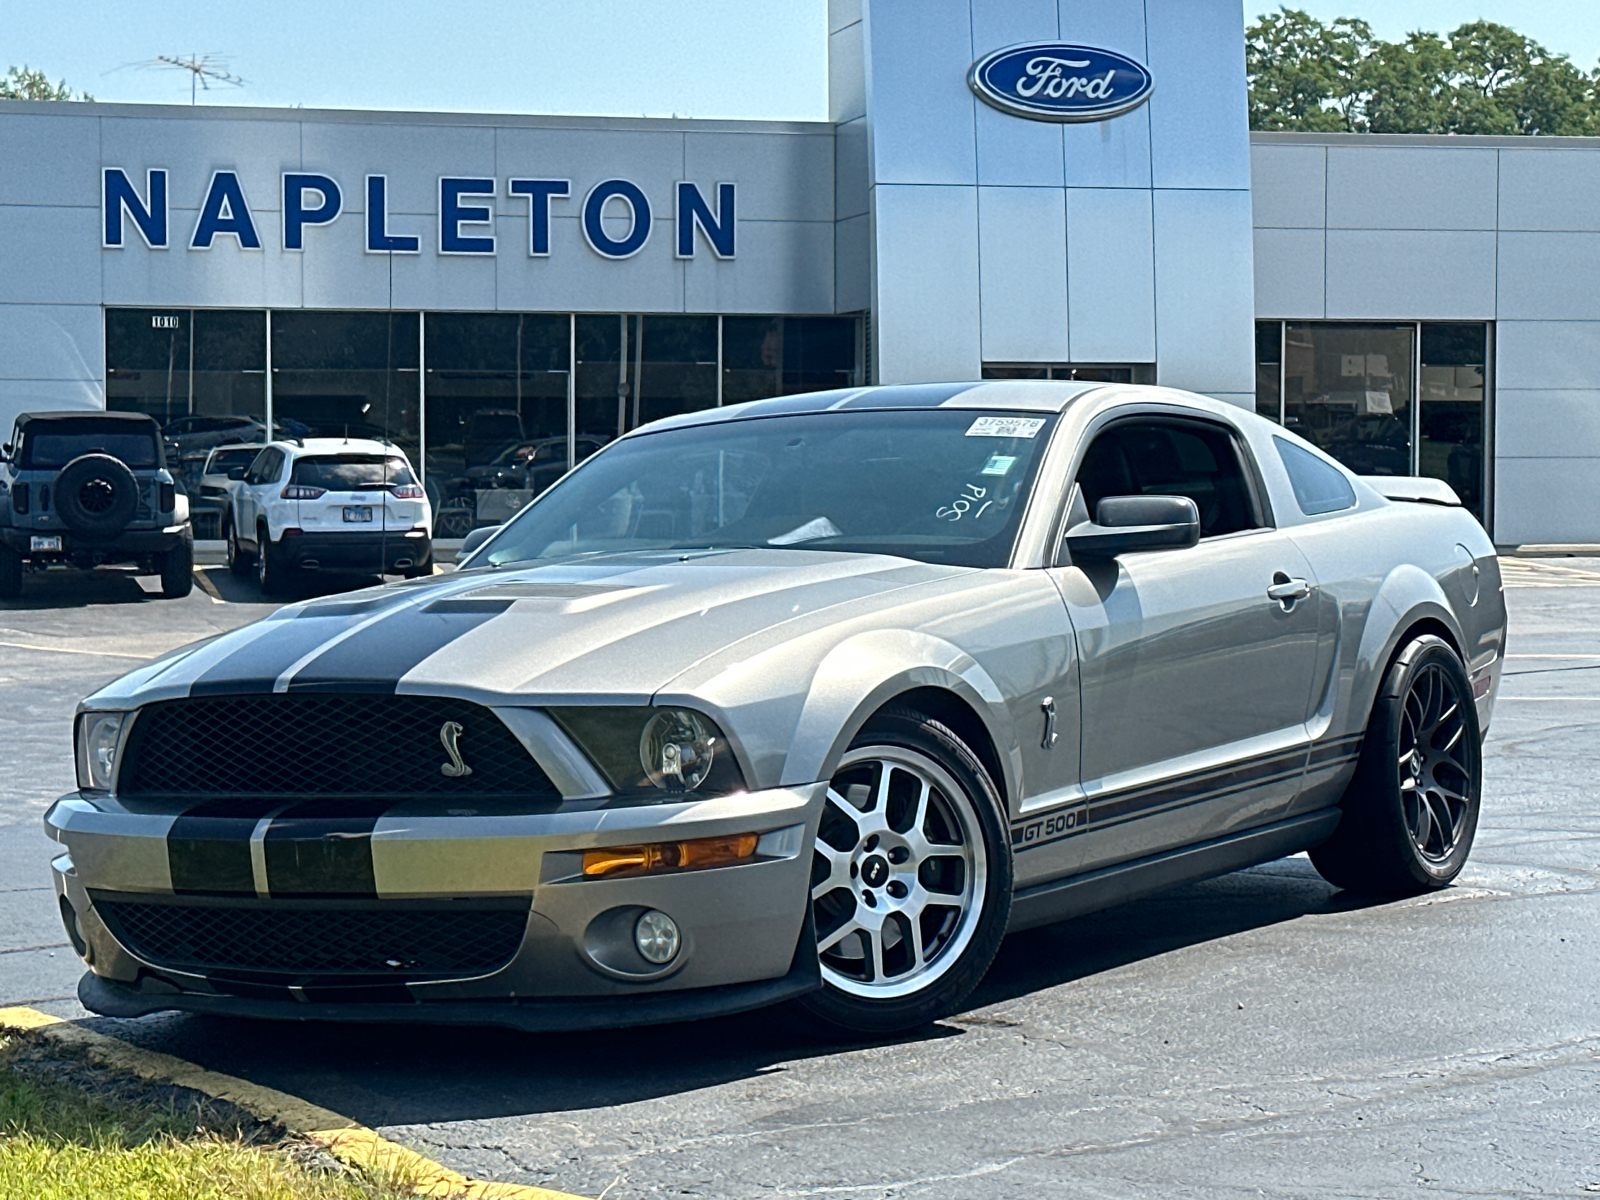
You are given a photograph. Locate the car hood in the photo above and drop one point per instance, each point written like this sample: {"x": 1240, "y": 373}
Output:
{"x": 613, "y": 629}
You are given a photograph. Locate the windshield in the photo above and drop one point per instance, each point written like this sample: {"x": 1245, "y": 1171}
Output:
{"x": 943, "y": 486}
{"x": 351, "y": 472}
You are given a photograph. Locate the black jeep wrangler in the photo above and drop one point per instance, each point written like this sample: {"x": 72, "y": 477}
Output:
{"x": 84, "y": 489}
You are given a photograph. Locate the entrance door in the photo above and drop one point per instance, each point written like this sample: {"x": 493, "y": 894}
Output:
{"x": 1196, "y": 683}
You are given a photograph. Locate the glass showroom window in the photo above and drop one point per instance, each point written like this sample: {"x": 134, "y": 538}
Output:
{"x": 782, "y": 356}
{"x": 1451, "y": 425}
{"x": 1074, "y": 372}
{"x": 350, "y": 374}
{"x": 202, "y": 374}
{"x": 496, "y": 413}
{"x": 1269, "y": 370}
{"x": 1384, "y": 399}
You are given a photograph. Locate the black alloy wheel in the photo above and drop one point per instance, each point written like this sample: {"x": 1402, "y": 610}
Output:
{"x": 1411, "y": 811}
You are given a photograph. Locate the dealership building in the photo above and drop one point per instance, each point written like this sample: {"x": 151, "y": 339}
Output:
{"x": 1090, "y": 206}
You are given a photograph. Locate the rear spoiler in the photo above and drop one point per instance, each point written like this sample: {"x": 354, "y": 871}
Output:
{"x": 1414, "y": 489}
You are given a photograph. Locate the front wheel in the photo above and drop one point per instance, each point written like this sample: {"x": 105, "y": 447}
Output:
{"x": 911, "y": 877}
{"x": 1411, "y": 810}
{"x": 238, "y": 560}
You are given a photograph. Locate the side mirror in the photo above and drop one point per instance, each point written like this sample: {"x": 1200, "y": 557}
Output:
{"x": 237, "y": 472}
{"x": 476, "y": 538}
{"x": 1124, "y": 523}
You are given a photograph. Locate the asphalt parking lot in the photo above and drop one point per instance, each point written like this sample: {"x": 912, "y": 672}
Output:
{"x": 1256, "y": 1035}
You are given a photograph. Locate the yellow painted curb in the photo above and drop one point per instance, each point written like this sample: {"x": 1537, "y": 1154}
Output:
{"x": 345, "y": 1139}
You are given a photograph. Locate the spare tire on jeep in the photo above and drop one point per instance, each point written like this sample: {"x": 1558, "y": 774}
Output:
{"x": 96, "y": 496}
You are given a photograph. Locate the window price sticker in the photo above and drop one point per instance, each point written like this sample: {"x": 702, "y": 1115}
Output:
{"x": 999, "y": 464}
{"x": 1006, "y": 427}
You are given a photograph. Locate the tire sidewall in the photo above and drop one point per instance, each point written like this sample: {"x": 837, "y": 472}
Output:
{"x": 1427, "y": 650}
{"x": 177, "y": 569}
{"x": 909, "y": 731}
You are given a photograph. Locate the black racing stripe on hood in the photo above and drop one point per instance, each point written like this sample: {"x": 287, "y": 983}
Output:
{"x": 255, "y": 666}
{"x": 210, "y": 855}
{"x": 375, "y": 659}
{"x": 313, "y": 855}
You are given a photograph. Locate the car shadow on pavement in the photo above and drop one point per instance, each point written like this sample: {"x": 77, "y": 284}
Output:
{"x": 407, "y": 1075}
{"x": 68, "y": 587}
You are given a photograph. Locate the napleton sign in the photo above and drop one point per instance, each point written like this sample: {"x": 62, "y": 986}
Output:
{"x": 616, "y": 214}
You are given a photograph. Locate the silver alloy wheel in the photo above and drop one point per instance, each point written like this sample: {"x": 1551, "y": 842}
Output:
{"x": 899, "y": 873}
{"x": 1435, "y": 767}
{"x": 263, "y": 580}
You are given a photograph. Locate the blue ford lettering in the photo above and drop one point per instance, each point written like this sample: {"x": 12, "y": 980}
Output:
{"x": 1052, "y": 81}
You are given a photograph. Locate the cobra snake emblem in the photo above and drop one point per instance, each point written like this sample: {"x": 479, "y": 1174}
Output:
{"x": 449, "y": 734}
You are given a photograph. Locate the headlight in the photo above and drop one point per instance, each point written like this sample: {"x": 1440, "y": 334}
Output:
{"x": 98, "y": 737}
{"x": 655, "y": 750}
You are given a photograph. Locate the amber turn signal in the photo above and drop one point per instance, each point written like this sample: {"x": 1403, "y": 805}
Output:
{"x": 658, "y": 858}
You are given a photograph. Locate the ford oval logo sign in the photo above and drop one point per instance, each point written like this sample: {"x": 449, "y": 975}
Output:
{"x": 1050, "y": 81}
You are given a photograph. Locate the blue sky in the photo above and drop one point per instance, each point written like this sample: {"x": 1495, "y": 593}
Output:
{"x": 758, "y": 59}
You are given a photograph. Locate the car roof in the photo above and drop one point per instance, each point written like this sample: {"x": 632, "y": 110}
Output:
{"x": 1011, "y": 395}
{"x": 256, "y": 446}
{"x": 80, "y": 414}
{"x": 302, "y": 447}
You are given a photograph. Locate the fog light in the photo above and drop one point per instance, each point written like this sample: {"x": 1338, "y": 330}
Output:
{"x": 656, "y": 936}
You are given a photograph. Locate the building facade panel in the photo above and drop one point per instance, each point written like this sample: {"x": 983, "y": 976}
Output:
{"x": 786, "y": 176}
{"x": 1548, "y": 355}
{"x": 1415, "y": 274}
{"x": 1384, "y": 187}
{"x": 1204, "y": 291}
{"x": 52, "y": 255}
{"x": 1289, "y": 186}
{"x": 51, "y": 341}
{"x": 42, "y": 153}
{"x": 1111, "y": 275}
{"x": 1199, "y": 125}
{"x": 1549, "y": 189}
{"x": 1549, "y": 276}
{"x": 1547, "y": 424}
{"x": 783, "y": 266}
{"x": 921, "y": 113}
{"x": 1114, "y": 153}
{"x": 926, "y": 245}
{"x": 1289, "y": 271}
{"x": 1022, "y": 251}
{"x": 1547, "y": 501}
{"x": 191, "y": 150}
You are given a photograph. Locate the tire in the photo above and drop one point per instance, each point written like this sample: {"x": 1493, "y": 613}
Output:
{"x": 1411, "y": 811}
{"x": 177, "y": 568}
{"x": 878, "y": 890}
{"x": 239, "y": 559}
{"x": 96, "y": 496}
{"x": 10, "y": 574}
{"x": 273, "y": 574}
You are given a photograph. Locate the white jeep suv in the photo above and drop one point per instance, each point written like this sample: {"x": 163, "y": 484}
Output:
{"x": 328, "y": 504}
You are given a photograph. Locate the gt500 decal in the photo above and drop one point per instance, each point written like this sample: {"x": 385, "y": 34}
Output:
{"x": 1051, "y": 827}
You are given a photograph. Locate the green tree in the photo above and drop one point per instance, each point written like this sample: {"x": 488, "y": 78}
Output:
{"x": 22, "y": 83}
{"x": 1484, "y": 78}
{"x": 1302, "y": 72}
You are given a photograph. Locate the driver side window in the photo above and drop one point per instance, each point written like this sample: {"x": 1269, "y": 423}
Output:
{"x": 1152, "y": 457}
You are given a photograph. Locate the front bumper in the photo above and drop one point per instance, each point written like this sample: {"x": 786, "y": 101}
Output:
{"x": 388, "y": 553}
{"x": 745, "y": 940}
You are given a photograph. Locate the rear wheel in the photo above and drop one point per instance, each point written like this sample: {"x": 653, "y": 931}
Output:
{"x": 10, "y": 573}
{"x": 177, "y": 569}
{"x": 1411, "y": 811}
{"x": 272, "y": 572}
{"x": 238, "y": 559}
{"x": 911, "y": 877}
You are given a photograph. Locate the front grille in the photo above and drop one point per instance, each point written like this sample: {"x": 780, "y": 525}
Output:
{"x": 395, "y": 940}
{"x": 375, "y": 747}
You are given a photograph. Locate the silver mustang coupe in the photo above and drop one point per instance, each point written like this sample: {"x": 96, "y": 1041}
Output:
{"x": 813, "y": 697}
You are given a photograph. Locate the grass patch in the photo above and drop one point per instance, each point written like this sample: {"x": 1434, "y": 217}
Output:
{"x": 72, "y": 1131}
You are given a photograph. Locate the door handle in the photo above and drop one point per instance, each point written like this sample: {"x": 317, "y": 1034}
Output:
{"x": 1286, "y": 591}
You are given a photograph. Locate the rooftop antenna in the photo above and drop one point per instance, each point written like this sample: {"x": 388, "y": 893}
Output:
{"x": 205, "y": 70}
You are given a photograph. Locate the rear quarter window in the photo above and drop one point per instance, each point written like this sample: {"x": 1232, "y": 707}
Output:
{"x": 1319, "y": 487}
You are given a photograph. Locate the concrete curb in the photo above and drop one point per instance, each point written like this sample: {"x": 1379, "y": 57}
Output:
{"x": 346, "y": 1140}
